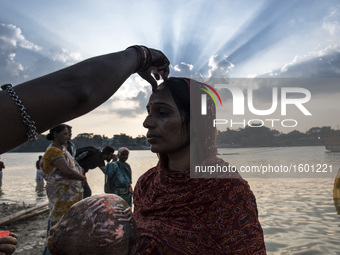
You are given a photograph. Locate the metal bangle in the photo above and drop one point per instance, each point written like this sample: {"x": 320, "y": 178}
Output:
{"x": 26, "y": 119}
{"x": 145, "y": 57}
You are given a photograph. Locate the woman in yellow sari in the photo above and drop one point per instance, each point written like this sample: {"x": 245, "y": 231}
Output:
{"x": 62, "y": 174}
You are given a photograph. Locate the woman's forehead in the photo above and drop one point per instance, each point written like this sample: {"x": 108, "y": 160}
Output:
{"x": 162, "y": 95}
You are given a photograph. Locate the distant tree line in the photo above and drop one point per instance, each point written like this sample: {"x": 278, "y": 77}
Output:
{"x": 242, "y": 137}
{"x": 89, "y": 139}
{"x": 262, "y": 136}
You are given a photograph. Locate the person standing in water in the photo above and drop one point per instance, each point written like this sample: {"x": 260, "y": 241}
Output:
{"x": 38, "y": 165}
{"x": 63, "y": 176}
{"x": 2, "y": 166}
{"x": 119, "y": 176}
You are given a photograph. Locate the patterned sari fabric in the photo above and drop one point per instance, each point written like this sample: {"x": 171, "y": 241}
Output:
{"x": 62, "y": 192}
{"x": 176, "y": 214}
{"x": 120, "y": 178}
{"x": 179, "y": 215}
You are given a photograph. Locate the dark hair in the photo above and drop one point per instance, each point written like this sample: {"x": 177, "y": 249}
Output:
{"x": 107, "y": 150}
{"x": 69, "y": 128}
{"x": 37, "y": 163}
{"x": 56, "y": 129}
{"x": 180, "y": 93}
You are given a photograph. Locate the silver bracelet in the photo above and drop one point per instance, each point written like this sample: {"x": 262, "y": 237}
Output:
{"x": 26, "y": 119}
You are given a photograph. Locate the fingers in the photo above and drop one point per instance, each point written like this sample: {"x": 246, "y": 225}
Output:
{"x": 13, "y": 235}
{"x": 157, "y": 76}
{"x": 8, "y": 240}
{"x": 7, "y": 248}
{"x": 8, "y": 244}
{"x": 147, "y": 76}
{"x": 159, "y": 68}
{"x": 164, "y": 73}
{"x": 160, "y": 61}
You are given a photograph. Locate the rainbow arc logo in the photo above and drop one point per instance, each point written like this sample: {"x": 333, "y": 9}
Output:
{"x": 204, "y": 98}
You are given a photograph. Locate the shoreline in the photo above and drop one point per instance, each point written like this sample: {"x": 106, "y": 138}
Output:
{"x": 31, "y": 231}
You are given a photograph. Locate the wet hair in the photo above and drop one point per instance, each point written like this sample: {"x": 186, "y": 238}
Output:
{"x": 180, "y": 93}
{"x": 107, "y": 150}
{"x": 56, "y": 129}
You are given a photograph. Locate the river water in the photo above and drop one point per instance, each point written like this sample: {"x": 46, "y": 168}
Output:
{"x": 296, "y": 209}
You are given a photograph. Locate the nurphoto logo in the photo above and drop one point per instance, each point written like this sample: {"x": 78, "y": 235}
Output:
{"x": 281, "y": 97}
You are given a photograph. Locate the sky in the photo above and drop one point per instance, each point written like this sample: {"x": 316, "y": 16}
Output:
{"x": 240, "y": 39}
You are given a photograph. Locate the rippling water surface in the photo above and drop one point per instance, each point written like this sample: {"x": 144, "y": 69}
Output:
{"x": 298, "y": 215}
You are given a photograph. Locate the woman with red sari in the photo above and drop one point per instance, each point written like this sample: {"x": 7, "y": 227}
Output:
{"x": 176, "y": 214}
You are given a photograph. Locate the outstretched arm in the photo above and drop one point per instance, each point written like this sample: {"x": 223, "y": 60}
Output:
{"x": 71, "y": 92}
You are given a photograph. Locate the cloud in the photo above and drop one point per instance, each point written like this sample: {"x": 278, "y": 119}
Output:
{"x": 188, "y": 67}
{"x": 129, "y": 101}
{"x": 184, "y": 70}
{"x": 320, "y": 75}
{"x": 317, "y": 63}
{"x": 10, "y": 39}
{"x": 137, "y": 103}
{"x": 331, "y": 22}
{"x": 219, "y": 66}
{"x": 21, "y": 59}
{"x": 64, "y": 56}
{"x": 318, "y": 71}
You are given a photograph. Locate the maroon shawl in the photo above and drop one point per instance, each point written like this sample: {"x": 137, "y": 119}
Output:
{"x": 176, "y": 214}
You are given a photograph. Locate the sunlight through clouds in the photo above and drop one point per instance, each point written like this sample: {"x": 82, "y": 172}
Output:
{"x": 220, "y": 67}
{"x": 202, "y": 39}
